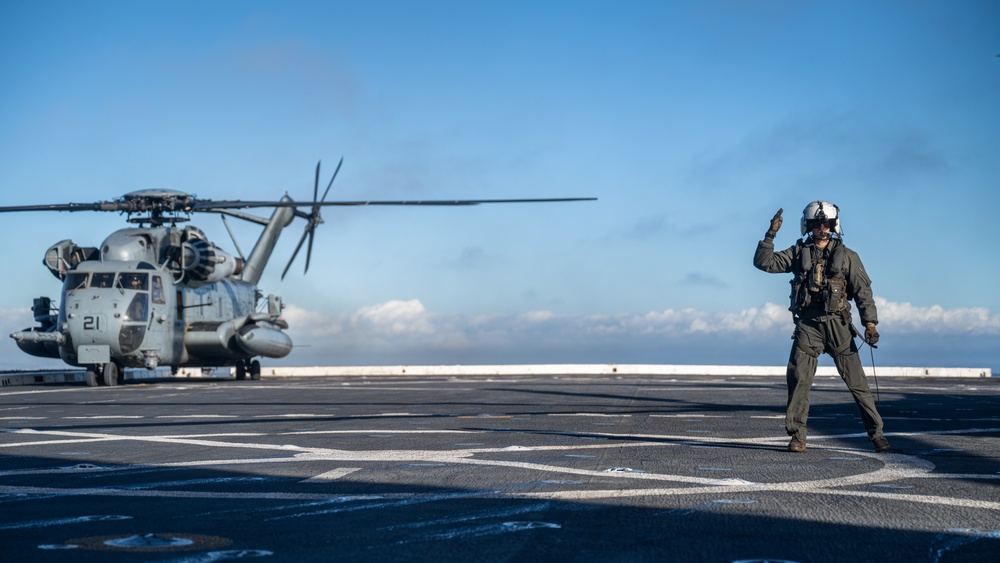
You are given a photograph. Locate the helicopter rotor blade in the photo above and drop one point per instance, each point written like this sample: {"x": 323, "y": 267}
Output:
{"x": 316, "y": 183}
{"x": 309, "y": 249}
{"x": 210, "y": 206}
{"x": 315, "y": 218}
{"x": 332, "y": 178}
{"x": 96, "y": 206}
{"x": 294, "y": 254}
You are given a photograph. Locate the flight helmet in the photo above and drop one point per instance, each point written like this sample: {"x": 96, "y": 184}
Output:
{"x": 821, "y": 211}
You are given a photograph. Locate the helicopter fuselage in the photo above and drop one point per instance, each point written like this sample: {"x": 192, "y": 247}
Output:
{"x": 134, "y": 314}
{"x": 150, "y": 297}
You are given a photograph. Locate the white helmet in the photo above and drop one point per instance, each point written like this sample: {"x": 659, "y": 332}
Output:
{"x": 820, "y": 211}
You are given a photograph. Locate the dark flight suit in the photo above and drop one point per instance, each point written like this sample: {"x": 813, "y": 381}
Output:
{"x": 824, "y": 280}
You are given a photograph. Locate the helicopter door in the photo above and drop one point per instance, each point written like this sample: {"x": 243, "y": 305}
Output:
{"x": 161, "y": 320}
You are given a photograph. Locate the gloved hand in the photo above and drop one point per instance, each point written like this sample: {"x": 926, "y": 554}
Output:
{"x": 775, "y": 225}
{"x": 871, "y": 335}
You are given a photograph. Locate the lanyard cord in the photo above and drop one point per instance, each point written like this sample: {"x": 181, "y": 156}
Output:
{"x": 878, "y": 399}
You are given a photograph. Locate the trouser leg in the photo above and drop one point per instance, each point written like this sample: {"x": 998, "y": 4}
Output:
{"x": 799, "y": 376}
{"x": 850, "y": 369}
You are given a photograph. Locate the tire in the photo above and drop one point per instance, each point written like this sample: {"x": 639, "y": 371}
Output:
{"x": 241, "y": 371}
{"x": 255, "y": 370}
{"x": 90, "y": 377}
{"x": 111, "y": 374}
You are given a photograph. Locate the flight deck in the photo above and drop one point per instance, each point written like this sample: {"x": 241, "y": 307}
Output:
{"x": 569, "y": 467}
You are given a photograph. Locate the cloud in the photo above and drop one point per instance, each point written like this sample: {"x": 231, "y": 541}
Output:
{"x": 910, "y": 319}
{"x": 393, "y": 318}
{"x": 699, "y": 279}
{"x": 406, "y": 332}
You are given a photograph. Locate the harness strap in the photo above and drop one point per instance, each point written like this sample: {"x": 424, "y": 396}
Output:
{"x": 802, "y": 348}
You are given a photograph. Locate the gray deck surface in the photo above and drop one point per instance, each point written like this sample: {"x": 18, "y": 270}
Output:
{"x": 496, "y": 469}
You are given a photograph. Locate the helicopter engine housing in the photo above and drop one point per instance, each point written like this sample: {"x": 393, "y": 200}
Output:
{"x": 264, "y": 341}
{"x": 204, "y": 263}
{"x": 66, "y": 255}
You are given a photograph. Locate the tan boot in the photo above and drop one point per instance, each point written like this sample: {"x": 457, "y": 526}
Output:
{"x": 797, "y": 445}
{"x": 881, "y": 444}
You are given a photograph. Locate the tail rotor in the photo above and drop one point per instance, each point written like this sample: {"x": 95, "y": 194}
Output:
{"x": 314, "y": 218}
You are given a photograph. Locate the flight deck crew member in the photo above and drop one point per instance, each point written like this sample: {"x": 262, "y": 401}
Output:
{"x": 826, "y": 275}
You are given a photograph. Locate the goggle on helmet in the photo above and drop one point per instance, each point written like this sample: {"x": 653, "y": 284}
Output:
{"x": 820, "y": 211}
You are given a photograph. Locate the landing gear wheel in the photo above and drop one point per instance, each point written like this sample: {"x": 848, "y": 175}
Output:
{"x": 109, "y": 376}
{"x": 241, "y": 371}
{"x": 255, "y": 370}
{"x": 90, "y": 376}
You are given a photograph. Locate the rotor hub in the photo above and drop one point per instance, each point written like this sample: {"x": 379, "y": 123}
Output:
{"x": 157, "y": 207}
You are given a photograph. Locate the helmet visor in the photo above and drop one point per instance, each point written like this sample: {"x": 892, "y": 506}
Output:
{"x": 817, "y": 223}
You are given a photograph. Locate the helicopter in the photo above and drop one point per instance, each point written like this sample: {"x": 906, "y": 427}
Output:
{"x": 158, "y": 293}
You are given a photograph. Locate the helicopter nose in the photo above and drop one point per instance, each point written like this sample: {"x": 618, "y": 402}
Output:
{"x": 119, "y": 323}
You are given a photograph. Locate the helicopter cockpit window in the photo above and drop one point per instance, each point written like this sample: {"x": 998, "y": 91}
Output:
{"x": 157, "y": 291}
{"x": 103, "y": 279}
{"x": 76, "y": 281}
{"x": 138, "y": 309}
{"x": 132, "y": 280}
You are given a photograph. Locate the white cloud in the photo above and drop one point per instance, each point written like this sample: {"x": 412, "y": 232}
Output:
{"x": 905, "y": 317}
{"x": 405, "y": 332}
{"x": 394, "y": 318}
{"x": 410, "y": 319}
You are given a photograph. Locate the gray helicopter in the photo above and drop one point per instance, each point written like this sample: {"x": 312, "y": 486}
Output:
{"x": 157, "y": 294}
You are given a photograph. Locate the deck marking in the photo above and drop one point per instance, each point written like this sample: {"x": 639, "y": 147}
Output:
{"x": 61, "y": 522}
{"x": 895, "y": 467}
{"x": 331, "y": 475}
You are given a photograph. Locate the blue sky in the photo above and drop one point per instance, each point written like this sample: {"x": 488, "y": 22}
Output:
{"x": 691, "y": 121}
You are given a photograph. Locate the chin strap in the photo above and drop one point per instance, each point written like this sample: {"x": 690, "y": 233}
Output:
{"x": 827, "y": 236}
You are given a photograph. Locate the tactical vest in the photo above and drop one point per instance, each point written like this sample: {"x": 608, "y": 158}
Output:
{"x": 820, "y": 282}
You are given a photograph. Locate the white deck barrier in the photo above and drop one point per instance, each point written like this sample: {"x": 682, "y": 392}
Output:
{"x": 604, "y": 369}
{"x": 76, "y": 375}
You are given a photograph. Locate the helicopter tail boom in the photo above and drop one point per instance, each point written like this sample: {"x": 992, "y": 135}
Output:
{"x": 254, "y": 267}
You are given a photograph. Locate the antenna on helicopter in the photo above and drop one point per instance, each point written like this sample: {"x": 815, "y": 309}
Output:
{"x": 314, "y": 219}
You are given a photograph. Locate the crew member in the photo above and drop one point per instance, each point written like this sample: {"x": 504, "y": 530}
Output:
{"x": 827, "y": 275}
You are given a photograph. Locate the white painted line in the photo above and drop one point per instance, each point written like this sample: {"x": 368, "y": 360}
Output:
{"x": 482, "y": 515}
{"x": 894, "y": 468}
{"x": 691, "y": 416}
{"x": 385, "y": 432}
{"x": 332, "y": 475}
{"x": 213, "y": 556}
{"x": 61, "y": 522}
{"x": 291, "y": 415}
{"x": 593, "y": 414}
{"x": 199, "y": 416}
{"x": 107, "y": 417}
{"x": 55, "y": 442}
{"x": 218, "y": 435}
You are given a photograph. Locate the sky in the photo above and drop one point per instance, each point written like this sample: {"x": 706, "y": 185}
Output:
{"x": 692, "y": 122}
